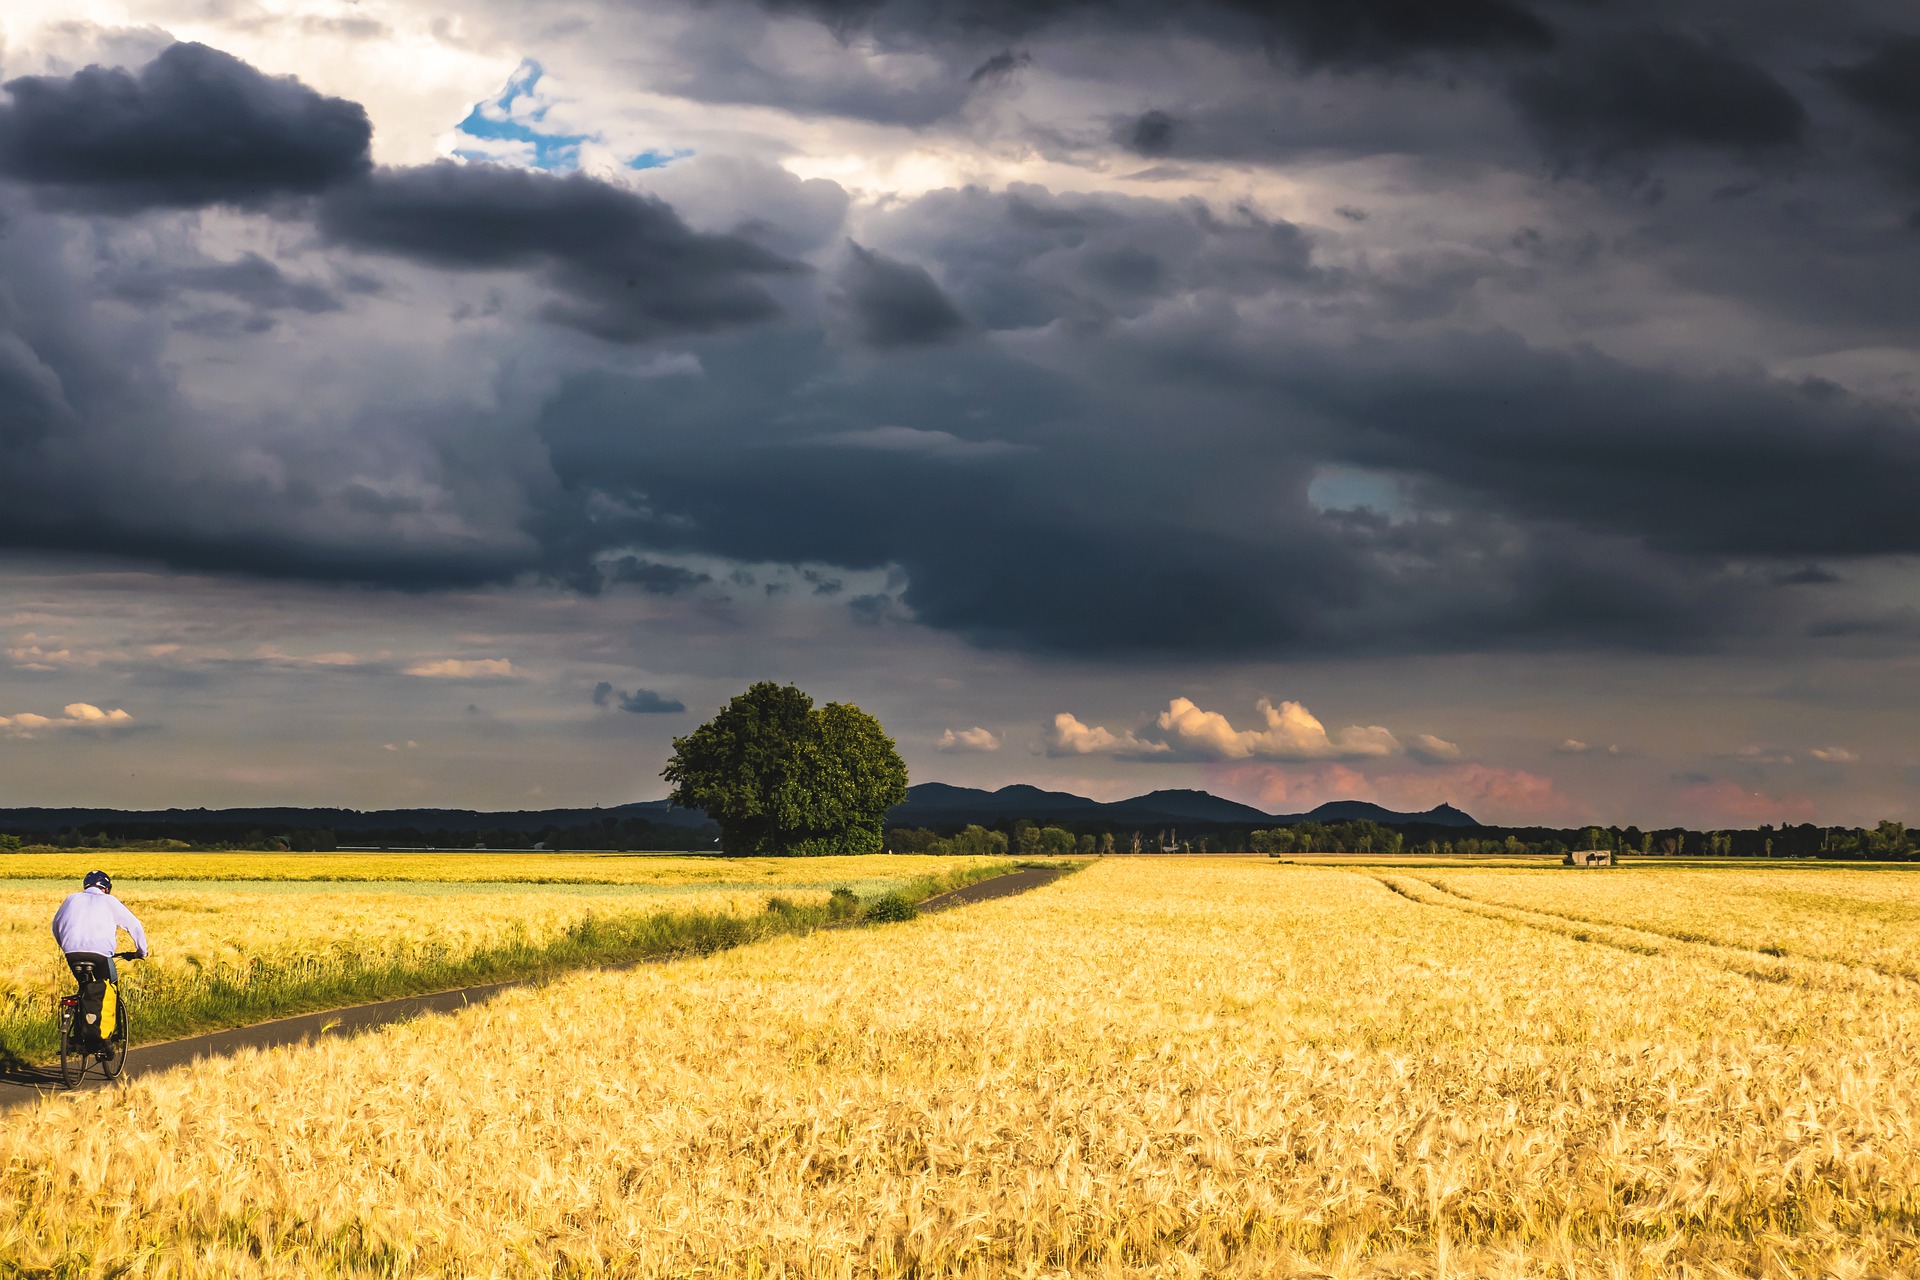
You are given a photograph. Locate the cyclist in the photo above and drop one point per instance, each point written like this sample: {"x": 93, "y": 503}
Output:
{"x": 88, "y": 924}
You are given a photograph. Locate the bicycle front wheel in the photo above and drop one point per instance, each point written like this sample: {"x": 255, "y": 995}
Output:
{"x": 74, "y": 1056}
{"x": 116, "y": 1055}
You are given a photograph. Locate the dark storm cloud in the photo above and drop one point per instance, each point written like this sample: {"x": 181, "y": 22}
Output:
{"x": 629, "y": 269}
{"x": 101, "y": 452}
{"x": 1887, "y": 84}
{"x": 1343, "y": 32}
{"x": 1004, "y": 63}
{"x": 1701, "y": 466}
{"x": 249, "y": 279}
{"x": 1158, "y": 501}
{"x": 896, "y": 304}
{"x": 646, "y": 702}
{"x": 1336, "y": 32}
{"x": 1653, "y": 90}
{"x": 198, "y": 127}
{"x": 1116, "y": 534}
{"x": 193, "y": 127}
{"x": 639, "y": 702}
{"x": 654, "y": 577}
{"x": 1120, "y": 459}
{"x": 1024, "y": 258}
{"x": 1152, "y": 134}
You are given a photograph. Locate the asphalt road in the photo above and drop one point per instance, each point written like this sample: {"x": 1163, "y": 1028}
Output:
{"x": 20, "y": 1085}
{"x": 999, "y": 887}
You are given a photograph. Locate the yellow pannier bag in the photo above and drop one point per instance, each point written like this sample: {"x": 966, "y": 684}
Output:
{"x": 109, "y": 1006}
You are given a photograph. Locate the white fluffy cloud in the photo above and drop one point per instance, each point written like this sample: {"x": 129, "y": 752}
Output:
{"x": 1424, "y": 746}
{"x": 1069, "y": 737}
{"x": 1186, "y": 731}
{"x": 1835, "y": 755}
{"x": 1289, "y": 732}
{"x": 75, "y": 715}
{"x": 974, "y": 739}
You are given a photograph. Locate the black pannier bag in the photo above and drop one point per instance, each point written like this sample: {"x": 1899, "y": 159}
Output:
{"x": 93, "y": 999}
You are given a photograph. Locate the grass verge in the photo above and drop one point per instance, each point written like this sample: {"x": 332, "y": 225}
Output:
{"x": 166, "y": 1004}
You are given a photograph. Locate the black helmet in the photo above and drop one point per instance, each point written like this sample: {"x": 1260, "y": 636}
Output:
{"x": 100, "y": 878}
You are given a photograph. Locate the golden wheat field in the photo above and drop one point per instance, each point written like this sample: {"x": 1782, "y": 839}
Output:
{"x": 510, "y": 868}
{"x": 1196, "y": 1069}
{"x": 1848, "y": 916}
{"x": 194, "y": 927}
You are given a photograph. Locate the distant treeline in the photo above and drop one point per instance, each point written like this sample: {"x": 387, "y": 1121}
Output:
{"x": 607, "y": 833}
{"x": 1887, "y": 841}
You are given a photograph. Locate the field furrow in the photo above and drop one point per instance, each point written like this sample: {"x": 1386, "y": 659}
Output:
{"x": 1763, "y": 966}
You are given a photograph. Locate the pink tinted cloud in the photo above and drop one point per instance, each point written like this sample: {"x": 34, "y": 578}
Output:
{"x": 1722, "y": 803}
{"x": 1488, "y": 793}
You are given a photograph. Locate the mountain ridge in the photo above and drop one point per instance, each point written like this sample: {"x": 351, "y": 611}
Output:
{"x": 931, "y": 804}
{"x": 928, "y": 804}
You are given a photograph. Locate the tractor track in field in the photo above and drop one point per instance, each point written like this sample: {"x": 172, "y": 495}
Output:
{"x": 1745, "y": 962}
{"x": 21, "y": 1085}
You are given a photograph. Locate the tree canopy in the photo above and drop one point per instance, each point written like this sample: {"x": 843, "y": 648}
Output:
{"x": 781, "y": 776}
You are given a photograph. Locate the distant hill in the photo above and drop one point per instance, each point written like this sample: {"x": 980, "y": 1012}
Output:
{"x": 1444, "y": 815}
{"x": 939, "y": 805}
{"x": 658, "y": 812}
{"x": 656, "y": 824}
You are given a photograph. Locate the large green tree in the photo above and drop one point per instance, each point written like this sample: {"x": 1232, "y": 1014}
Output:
{"x": 782, "y": 776}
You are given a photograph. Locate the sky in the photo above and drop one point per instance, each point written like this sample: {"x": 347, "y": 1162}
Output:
{"x": 1509, "y": 403}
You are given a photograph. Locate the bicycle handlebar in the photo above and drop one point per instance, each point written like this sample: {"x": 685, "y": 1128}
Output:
{"x": 127, "y": 955}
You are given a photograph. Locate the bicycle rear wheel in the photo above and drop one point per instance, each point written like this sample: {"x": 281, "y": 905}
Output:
{"x": 116, "y": 1055}
{"x": 74, "y": 1057}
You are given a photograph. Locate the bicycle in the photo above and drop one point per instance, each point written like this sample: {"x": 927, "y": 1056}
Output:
{"x": 78, "y": 1050}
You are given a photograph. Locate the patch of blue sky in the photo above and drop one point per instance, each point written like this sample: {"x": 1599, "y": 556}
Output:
{"x": 509, "y": 127}
{"x": 657, "y": 159}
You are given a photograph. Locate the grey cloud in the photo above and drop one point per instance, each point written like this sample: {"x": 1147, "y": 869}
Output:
{"x": 1709, "y": 466}
{"x": 740, "y": 57}
{"x": 654, "y": 577}
{"x": 753, "y": 198}
{"x": 1373, "y": 32}
{"x": 896, "y": 304}
{"x": 250, "y": 279}
{"x": 1024, "y": 258}
{"x": 627, "y": 268}
{"x": 1001, "y": 64}
{"x": 1129, "y": 474}
{"x": 1811, "y": 575}
{"x": 1887, "y": 84}
{"x": 647, "y": 702}
{"x": 1083, "y": 545}
{"x": 1655, "y": 89}
{"x": 1346, "y": 33}
{"x": 639, "y": 702}
{"x": 193, "y": 127}
{"x": 100, "y": 452}
{"x": 1152, "y": 133}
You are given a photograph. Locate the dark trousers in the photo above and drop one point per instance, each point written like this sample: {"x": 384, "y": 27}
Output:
{"x": 103, "y": 966}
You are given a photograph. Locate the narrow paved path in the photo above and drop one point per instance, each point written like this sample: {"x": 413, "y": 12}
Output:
{"x": 21, "y": 1085}
{"x": 999, "y": 887}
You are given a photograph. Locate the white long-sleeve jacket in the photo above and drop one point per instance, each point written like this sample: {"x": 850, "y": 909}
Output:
{"x": 90, "y": 921}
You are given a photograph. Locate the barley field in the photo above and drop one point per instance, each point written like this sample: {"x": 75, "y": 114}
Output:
{"x": 1197, "y": 1069}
